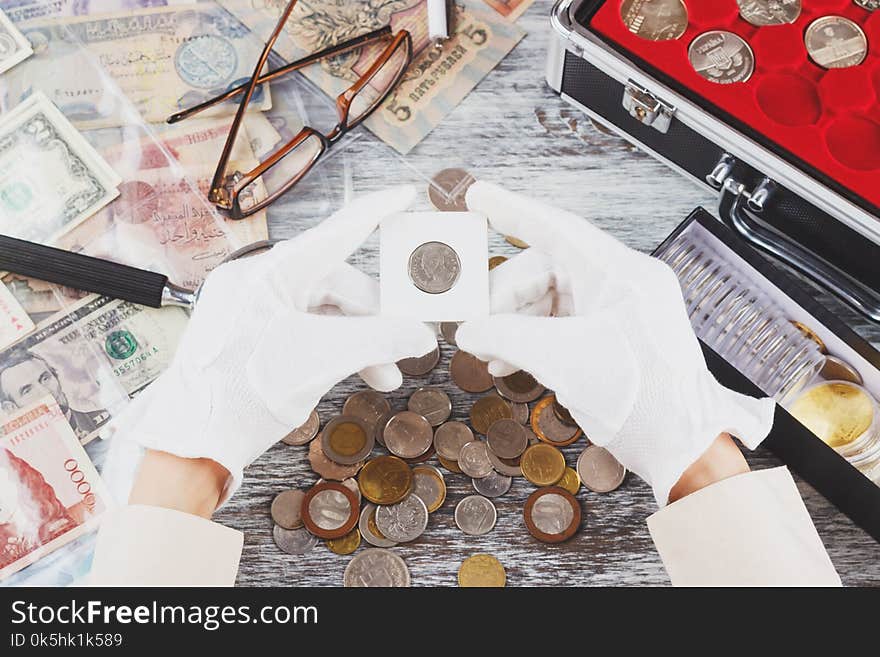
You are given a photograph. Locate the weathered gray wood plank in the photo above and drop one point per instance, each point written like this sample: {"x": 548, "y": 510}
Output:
{"x": 514, "y": 131}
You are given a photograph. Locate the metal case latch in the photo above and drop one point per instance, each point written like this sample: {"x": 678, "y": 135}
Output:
{"x": 646, "y": 108}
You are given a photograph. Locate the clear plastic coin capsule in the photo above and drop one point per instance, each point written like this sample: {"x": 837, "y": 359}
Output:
{"x": 739, "y": 321}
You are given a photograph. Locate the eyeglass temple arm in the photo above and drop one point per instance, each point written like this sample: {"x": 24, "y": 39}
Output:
{"x": 338, "y": 49}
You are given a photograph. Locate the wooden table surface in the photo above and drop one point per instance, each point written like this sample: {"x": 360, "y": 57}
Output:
{"x": 514, "y": 131}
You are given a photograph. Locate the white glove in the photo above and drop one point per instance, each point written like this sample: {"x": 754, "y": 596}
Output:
{"x": 625, "y": 362}
{"x": 254, "y": 360}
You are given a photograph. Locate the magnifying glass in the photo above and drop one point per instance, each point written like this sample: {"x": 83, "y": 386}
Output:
{"x": 112, "y": 279}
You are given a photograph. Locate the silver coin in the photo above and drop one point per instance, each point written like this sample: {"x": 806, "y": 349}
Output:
{"x": 350, "y": 483}
{"x": 420, "y": 365}
{"x": 870, "y": 5}
{"x": 450, "y": 437}
{"x": 475, "y": 515}
{"x": 509, "y": 468}
{"x": 368, "y": 406}
{"x": 432, "y": 404}
{"x": 552, "y": 513}
{"x": 769, "y": 12}
{"x": 520, "y": 412}
{"x": 376, "y": 567}
{"x": 286, "y": 509}
{"x": 367, "y": 532}
{"x": 329, "y": 509}
{"x": 836, "y": 42}
{"x": 492, "y": 485}
{"x": 448, "y": 331}
{"x": 837, "y": 369}
{"x": 655, "y": 20}
{"x": 721, "y": 57}
{"x": 408, "y": 435}
{"x": 474, "y": 459}
{"x": 554, "y": 429}
{"x": 434, "y": 267}
{"x": 507, "y": 438}
{"x": 404, "y": 521}
{"x": 599, "y": 470}
{"x": 293, "y": 541}
{"x": 352, "y": 438}
{"x": 305, "y": 432}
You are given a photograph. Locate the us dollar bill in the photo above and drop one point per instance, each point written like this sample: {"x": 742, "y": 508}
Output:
{"x": 160, "y": 59}
{"x": 50, "y": 493}
{"x": 90, "y": 358}
{"x": 14, "y": 47}
{"x": 25, "y": 10}
{"x": 436, "y": 81}
{"x": 51, "y": 179}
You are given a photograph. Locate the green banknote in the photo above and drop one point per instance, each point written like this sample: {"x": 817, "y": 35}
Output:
{"x": 436, "y": 81}
{"x": 90, "y": 358}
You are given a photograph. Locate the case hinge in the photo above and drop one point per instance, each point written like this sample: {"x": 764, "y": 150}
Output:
{"x": 646, "y": 108}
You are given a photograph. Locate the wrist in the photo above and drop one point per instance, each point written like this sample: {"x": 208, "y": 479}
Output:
{"x": 190, "y": 485}
{"x": 723, "y": 459}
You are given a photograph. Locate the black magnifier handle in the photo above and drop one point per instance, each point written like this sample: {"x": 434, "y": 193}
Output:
{"x": 84, "y": 272}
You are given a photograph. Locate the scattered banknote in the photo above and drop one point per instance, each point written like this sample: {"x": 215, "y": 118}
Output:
{"x": 162, "y": 220}
{"x": 14, "y": 48}
{"x": 36, "y": 298}
{"x": 50, "y": 493}
{"x": 510, "y": 9}
{"x": 162, "y": 60}
{"x": 436, "y": 81}
{"x": 25, "y": 10}
{"x": 14, "y": 321}
{"x": 51, "y": 179}
{"x": 90, "y": 358}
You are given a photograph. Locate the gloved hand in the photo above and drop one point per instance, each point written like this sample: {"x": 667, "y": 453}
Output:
{"x": 624, "y": 360}
{"x": 254, "y": 360}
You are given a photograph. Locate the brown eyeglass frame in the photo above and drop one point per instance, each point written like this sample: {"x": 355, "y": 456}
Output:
{"x": 227, "y": 198}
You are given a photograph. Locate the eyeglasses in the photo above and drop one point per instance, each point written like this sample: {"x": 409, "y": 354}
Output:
{"x": 234, "y": 192}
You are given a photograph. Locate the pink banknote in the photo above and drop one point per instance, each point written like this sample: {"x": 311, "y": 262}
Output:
{"x": 50, "y": 493}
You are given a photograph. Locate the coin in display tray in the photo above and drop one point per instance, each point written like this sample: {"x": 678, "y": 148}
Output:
{"x": 769, "y": 12}
{"x": 655, "y": 20}
{"x": 433, "y": 266}
{"x": 721, "y": 57}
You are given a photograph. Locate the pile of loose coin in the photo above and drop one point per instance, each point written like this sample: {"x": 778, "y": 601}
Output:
{"x": 387, "y": 499}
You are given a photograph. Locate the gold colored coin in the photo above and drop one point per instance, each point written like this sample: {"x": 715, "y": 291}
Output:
{"x": 347, "y": 544}
{"x": 570, "y": 481}
{"x": 449, "y": 464}
{"x": 429, "y": 485}
{"x": 494, "y": 261}
{"x": 347, "y": 439}
{"x": 811, "y": 334}
{"x": 374, "y": 528}
{"x": 487, "y": 410}
{"x": 838, "y": 412}
{"x": 543, "y": 464}
{"x": 481, "y": 570}
{"x": 515, "y": 241}
{"x": 385, "y": 480}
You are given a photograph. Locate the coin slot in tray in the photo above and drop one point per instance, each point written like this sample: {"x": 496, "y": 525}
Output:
{"x": 828, "y": 118}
